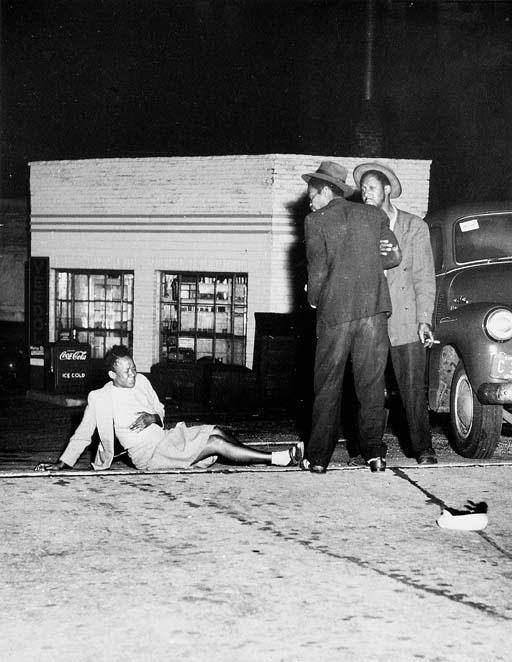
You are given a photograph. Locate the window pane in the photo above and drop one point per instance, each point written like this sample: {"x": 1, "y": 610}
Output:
{"x": 436, "y": 241}
{"x": 188, "y": 289}
{"x": 98, "y": 287}
{"x": 113, "y": 315}
{"x": 188, "y": 318}
{"x": 99, "y": 315}
{"x": 169, "y": 285}
{"x": 112, "y": 339}
{"x": 198, "y": 317}
{"x": 224, "y": 289}
{"x": 81, "y": 287}
{"x": 223, "y": 319}
{"x": 239, "y": 351}
{"x": 206, "y": 288}
{"x": 170, "y": 347}
{"x": 239, "y": 321}
{"x": 63, "y": 290}
{"x": 80, "y": 314}
{"x": 483, "y": 237}
{"x": 169, "y": 317}
{"x": 186, "y": 349}
{"x": 223, "y": 350}
{"x": 240, "y": 290}
{"x": 63, "y": 315}
{"x": 88, "y": 309}
{"x": 98, "y": 346}
{"x": 128, "y": 287}
{"x": 127, "y": 316}
{"x": 205, "y": 318}
{"x": 204, "y": 347}
{"x": 113, "y": 288}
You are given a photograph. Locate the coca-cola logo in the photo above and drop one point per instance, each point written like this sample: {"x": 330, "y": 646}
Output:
{"x": 70, "y": 355}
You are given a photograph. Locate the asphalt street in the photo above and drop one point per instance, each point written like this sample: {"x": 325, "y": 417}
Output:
{"x": 239, "y": 563}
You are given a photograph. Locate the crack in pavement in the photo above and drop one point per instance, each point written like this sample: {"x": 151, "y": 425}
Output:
{"x": 400, "y": 473}
{"x": 268, "y": 528}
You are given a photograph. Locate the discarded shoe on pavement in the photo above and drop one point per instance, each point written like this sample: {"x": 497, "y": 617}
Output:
{"x": 470, "y": 522}
{"x": 473, "y": 518}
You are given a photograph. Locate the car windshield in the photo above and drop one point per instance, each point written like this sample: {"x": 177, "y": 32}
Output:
{"x": 483, "y": 237}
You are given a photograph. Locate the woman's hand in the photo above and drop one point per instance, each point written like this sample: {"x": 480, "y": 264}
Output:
{"x": 50, "y": 466}
{"x": 143, "y": 420}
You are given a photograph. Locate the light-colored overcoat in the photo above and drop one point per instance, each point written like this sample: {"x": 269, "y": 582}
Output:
{"x": 99, "y": 414}
{"x": 412, "y": 285}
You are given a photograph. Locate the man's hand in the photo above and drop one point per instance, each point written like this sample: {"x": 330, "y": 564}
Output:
{"x": 50, "y": 466}
{"x": 425, "y": 334}
{"x": 391, "y": 252}
{"x": 144, "y": 420}
{"x": 385, "y": 247}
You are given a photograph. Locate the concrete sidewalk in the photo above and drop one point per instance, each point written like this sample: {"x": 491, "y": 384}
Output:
{"x": 33, "y": 431}
{"x": 259, "y": 564}
{"x": 255, "y": 566}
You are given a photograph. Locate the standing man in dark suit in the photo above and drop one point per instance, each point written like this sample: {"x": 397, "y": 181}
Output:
{"x": 346, "y": 285}
{"x": 412, "y": 287}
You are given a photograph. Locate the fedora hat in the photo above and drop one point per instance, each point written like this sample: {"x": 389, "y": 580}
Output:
{"x": 328, "y": 171}
{"x": 360, "y": 170}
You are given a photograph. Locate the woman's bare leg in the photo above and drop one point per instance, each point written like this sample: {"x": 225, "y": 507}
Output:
{"x": 225, "y": 446}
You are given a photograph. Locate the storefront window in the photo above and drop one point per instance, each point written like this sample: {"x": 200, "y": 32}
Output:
{"x": 98, "y": 305}
{"x": 203, "y": 315}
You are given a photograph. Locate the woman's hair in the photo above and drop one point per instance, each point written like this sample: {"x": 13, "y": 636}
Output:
{"x": 115, "y": 353}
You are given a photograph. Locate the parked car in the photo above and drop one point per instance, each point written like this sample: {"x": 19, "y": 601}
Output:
{"x": 470, "y": 370}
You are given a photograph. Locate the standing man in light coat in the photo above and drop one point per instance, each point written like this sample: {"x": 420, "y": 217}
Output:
{"x": 347, "y": 286}
{"x": 412, "y": 289}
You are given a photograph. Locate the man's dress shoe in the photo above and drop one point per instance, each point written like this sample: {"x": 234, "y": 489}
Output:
{"x": 377, "y": 464}
{"x": 314, "y": 468}
{"x": 427, "y": 457}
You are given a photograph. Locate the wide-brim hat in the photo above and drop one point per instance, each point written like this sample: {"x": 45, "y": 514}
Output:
{"x": 360, "y": 170}
{"x": 335, "y": 173}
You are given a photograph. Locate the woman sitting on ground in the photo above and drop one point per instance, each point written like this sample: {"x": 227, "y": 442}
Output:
{"x": 129, "y": 408}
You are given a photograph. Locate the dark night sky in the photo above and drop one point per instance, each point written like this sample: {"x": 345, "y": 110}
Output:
{"x": 103, "y": 78}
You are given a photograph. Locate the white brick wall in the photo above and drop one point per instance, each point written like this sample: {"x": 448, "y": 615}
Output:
{"x": 224, "y": 214}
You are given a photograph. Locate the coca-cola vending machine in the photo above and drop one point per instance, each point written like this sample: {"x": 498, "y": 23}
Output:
{"x": 69, "y": 366}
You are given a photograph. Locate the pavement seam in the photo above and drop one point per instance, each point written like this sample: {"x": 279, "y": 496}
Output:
{"x": 361, "y": 563}
{"x": 443, "y": 505}
{"x": 30, "y": 473}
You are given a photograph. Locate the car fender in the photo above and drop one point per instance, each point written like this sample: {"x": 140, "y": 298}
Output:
{"x": 462, "y": 336}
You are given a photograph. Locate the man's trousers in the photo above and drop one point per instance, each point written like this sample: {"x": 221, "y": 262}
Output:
{"x": 366, "y": 340}
{"x": 408, "y": 363}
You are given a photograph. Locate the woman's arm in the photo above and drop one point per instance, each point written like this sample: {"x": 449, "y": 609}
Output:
{"x": 78, "y": 442}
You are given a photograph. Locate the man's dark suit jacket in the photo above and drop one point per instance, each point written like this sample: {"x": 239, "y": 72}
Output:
{"x": 345, "y": 269}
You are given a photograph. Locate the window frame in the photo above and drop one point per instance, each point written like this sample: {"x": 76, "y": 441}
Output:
{"x": 174, "y": 337}
{"x": 122, "y": 334}
{"x": 478, "y": 217}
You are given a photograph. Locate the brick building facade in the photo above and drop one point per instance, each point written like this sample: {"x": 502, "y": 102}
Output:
{"x": 132, "y": 241}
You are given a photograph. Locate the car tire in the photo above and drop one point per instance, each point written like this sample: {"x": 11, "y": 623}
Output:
{"x": 475, "y": 427}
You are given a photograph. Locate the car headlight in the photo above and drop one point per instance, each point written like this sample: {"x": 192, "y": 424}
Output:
{"x": 498, "y": 324}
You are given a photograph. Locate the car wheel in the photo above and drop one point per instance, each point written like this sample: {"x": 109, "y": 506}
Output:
{"x": 476, "y": 428}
